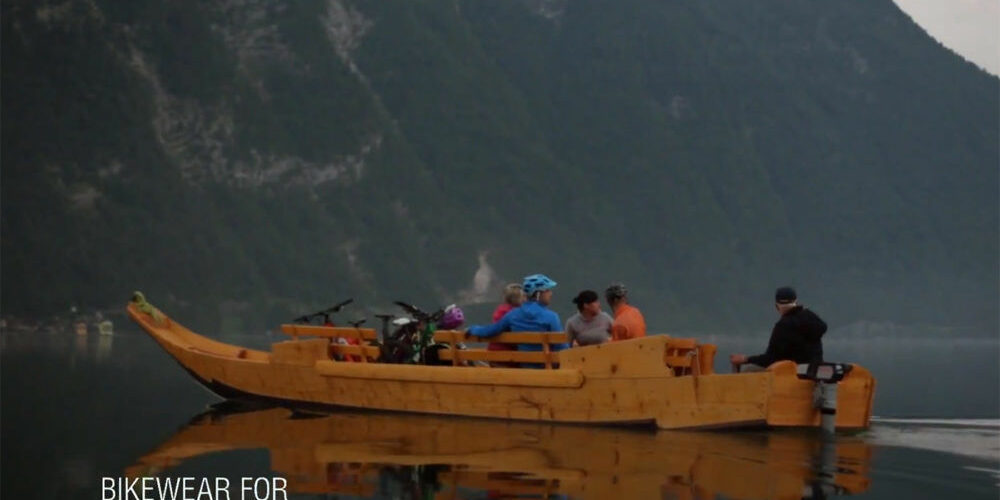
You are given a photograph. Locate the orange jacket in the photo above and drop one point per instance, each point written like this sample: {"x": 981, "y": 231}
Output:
{"x": 629, "y": 323}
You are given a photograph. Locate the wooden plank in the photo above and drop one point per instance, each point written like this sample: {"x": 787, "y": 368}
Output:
{"x": 368, "y": 351}
{"x": 624, "y": 359}
{"x": 706, "y": 359}
{"x": 454, "y": 342}
{"x": 461, "y": 375}
{"x": 449, "y": 336}
{"x": 299, "y": 352}
{"x": 679, "y": 354}
{"x": 508, "y": 356}
{"x": 675, "y": 343}
{"x": 452, "y": 336}
{"x": 678, "y": 361}
{"x": 346, "y": 332}
{"x": 548, "y": 358}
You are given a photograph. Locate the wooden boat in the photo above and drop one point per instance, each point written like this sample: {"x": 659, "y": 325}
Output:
{"x": 657, "y": 380}
{"x": 354, "y": 453}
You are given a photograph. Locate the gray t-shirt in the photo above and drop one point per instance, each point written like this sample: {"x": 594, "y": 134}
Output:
{"x": 596, "y": 330}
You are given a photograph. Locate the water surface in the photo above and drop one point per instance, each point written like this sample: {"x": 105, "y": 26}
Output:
{"x": 75, "y": 409}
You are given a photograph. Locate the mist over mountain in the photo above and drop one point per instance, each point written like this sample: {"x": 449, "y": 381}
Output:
{"x": 242, "y": 161}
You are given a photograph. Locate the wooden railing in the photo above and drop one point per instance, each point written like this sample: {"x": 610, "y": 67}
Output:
{"x": 347, "y": 332}
{"x": 683, "y": 355}
{"x": 545, "y": 356}
{"x": 362, "y": 353}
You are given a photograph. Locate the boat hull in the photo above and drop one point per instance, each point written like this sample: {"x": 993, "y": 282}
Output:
{"x": 616, "y": 383}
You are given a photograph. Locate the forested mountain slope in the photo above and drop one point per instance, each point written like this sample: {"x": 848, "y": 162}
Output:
{"x": 252, "y": 159}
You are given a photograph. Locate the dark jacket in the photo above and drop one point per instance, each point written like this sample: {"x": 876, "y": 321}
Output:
{"x": 796, "y": 336}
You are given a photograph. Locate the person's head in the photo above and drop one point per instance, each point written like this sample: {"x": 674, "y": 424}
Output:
{"x": 785, "y": 299}
{"x": 513, "y": 294}
{"x": 538, "y": 287}
{"x": 588, "y": 303}
{"x": 616, "y": 294}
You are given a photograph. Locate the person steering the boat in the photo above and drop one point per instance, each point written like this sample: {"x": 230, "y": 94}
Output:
{"x": 629, "y": 323}
{"x": 797, "y": 336}
{"x": 532, "y": 316}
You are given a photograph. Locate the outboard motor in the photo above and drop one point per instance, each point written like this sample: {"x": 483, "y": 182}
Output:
{"x": 826, "y": 376}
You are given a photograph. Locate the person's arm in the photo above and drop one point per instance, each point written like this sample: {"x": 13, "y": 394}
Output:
{"x": 822, "y": 324}
{"x": 777, "y": 347}
{"x": 619, "y": 331}
{"x": 491, "y": 330}
{"x": 571, "y": 333}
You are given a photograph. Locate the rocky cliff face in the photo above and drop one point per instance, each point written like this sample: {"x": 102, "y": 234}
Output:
{"x": 276, "y": 155}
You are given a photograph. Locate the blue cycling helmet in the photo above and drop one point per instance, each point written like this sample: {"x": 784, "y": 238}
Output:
{"x": 537, "y": 283}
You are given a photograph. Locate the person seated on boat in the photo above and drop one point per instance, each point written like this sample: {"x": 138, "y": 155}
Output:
{"x": 513, "y": 297}
{"x": 796, "y": 336}
{"x": 629, "y": 323}
{"x": 532, "y": 316}
{"x": 590, "y": 325}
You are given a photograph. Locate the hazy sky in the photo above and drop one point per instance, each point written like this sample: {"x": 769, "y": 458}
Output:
{"x": 969, "y": 27}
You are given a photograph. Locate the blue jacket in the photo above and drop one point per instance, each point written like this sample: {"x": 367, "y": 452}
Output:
{"x": 529, "y": 317}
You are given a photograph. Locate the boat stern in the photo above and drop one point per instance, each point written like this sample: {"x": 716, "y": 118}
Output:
{"x": 792, "y": 400}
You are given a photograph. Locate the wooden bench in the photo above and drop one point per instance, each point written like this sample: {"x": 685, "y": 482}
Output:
{"x": 363, "y": 353}
{"x": 546, "y": 356}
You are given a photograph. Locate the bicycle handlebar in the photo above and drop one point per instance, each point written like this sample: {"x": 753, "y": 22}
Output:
{"x": 339, "y": 306}
{"x": 419, "y": 314}
{"x": 324, "y": 312}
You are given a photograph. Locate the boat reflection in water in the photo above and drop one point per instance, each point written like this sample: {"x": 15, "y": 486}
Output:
{"x": 392, "y": 455}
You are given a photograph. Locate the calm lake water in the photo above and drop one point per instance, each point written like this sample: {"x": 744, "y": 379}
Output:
{"x": 75, "y": 409}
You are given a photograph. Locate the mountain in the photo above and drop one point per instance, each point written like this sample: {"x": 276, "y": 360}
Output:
{"x": 242, "y": 161}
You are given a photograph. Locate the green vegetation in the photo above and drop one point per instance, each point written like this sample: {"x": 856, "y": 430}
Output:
{"x": 702, "y": 152}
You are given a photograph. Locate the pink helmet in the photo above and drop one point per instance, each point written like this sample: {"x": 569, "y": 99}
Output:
{"x": 453, "y": 318}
